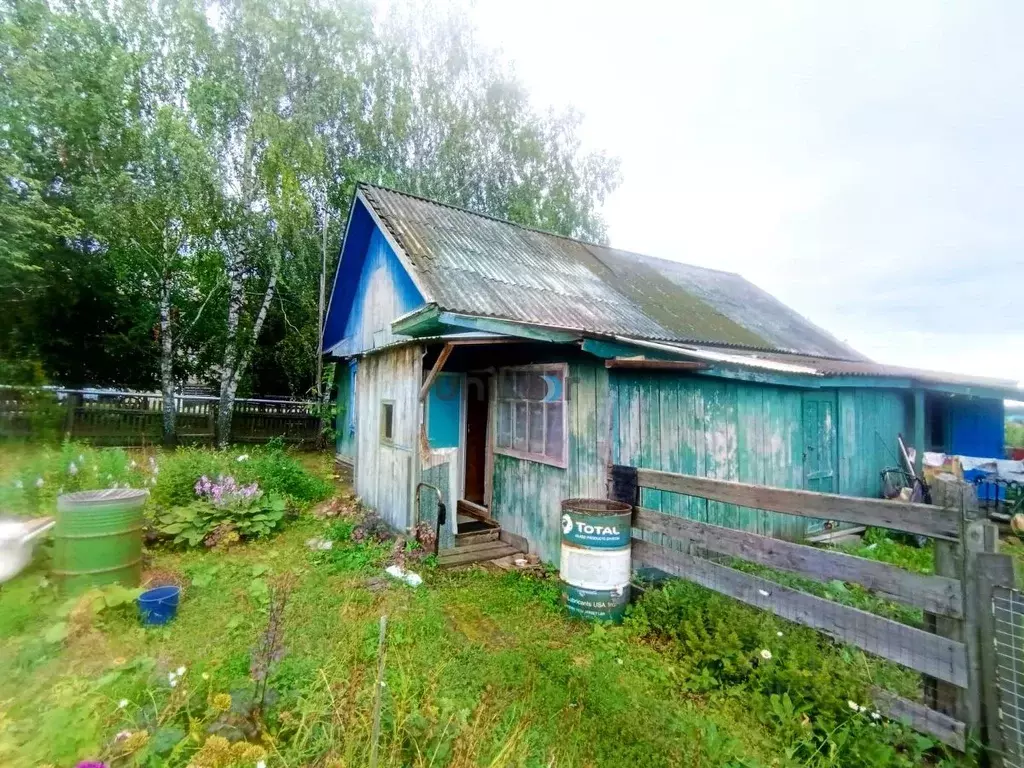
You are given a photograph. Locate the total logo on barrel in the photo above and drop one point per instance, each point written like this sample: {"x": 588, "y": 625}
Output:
{"x": 596, "y": 531}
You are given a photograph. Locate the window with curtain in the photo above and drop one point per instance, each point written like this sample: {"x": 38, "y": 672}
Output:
{"x": 531, "y": 413}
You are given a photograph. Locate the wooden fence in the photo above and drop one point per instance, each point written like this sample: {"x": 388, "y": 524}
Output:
{"x": 130, "y": 418}
{"x": 954, "y": 650}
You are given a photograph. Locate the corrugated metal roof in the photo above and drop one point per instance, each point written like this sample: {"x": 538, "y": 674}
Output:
{"x": 776, "y": 361}
{"x": 475, "y": 264}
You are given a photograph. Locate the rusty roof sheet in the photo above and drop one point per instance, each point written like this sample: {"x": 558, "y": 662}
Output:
{"x": 475, "y": 264}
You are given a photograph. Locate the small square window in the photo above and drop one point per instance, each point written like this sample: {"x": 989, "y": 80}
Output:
{"x": 387, "y": 421}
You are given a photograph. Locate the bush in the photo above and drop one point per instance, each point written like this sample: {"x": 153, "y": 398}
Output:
{"x": 44, "y": 474}
{"x": 271, "y": 467}
{"x": 810, "y": 690}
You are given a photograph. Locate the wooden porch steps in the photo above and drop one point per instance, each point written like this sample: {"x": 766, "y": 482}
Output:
{"x": 478, "y": 539}
{"x": 477, "y": 552}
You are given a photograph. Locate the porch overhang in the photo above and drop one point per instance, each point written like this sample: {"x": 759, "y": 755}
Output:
{"x": 431, "y": 320}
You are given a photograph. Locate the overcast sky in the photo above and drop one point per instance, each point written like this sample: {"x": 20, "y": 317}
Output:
{"x": 863, "y": 162}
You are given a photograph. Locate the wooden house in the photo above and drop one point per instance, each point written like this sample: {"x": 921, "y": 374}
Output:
{"x": 507, "y": 367}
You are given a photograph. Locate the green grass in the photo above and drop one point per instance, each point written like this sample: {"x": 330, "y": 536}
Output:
{"x": 482, "y": 669}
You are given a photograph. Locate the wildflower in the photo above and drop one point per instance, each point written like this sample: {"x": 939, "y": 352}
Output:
{"x": 134, "y": 464}
{"x": 778, "y": 634}
{"x": 766, "y": 654}
{"x": 72, "y": 469}
{"x": 39, "y": 482}
{"x": 122, "y": 735}
{"x": 180, "y": 671}
{"x": 261, "y": 764}
{"x": 853, "y": 705}
{"x": 876, "y": 716}
{"x": 174, "y": 683}
{"x": 119, "y": 661}
{"x": 81, "y": 459}
{"x": 242, "y": 457}
{"x": 135, "y": 741}
{"x": 206, "y": 675}
{"x": 91, "y": 764}
{"x": 122, "y": 703}
{"x": 221, "y": 702}
{"x": 243, "y": 751}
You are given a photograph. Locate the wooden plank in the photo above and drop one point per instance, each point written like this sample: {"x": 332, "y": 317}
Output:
{"x": 922, "y": 651}
{"x": 937, "y": 594}
{"x": 937, "y": 522}
{"x": 946, "y": 729}
{"x": 435, "y": 370}
{"x": 475, "y": 554}
{"x": 654, "y": 365}
{"x": 991, "y": 570}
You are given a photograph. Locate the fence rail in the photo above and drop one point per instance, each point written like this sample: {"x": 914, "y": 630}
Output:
{"x": 133, "y": 418}
{"x": 952, "y": 651}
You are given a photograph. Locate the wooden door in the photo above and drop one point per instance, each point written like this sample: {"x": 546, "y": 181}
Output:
{"x": 821, "y": 458}
{"x": 820, "y": 449}
{"x": 476, "y": 436}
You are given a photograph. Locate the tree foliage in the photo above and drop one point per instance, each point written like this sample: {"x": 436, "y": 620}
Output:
{"x": 175, "y": 174}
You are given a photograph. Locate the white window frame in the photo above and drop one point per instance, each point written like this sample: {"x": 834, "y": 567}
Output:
{"x": 384, "y": 439}
{"x": 563, "y": 369}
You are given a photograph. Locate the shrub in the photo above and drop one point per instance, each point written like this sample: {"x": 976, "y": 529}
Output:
{"x": 272, "y": 467}
{"x": 808, "y": 689}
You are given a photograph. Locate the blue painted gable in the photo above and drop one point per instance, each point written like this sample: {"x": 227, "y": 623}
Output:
{"x": 371, "y": 288}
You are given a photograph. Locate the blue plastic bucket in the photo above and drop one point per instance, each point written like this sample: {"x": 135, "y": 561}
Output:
{"x": 159, "y": 605}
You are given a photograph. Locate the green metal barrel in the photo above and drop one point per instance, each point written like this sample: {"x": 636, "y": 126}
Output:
{"x": 595, "y": 558}
{"x": 98, "y": 538}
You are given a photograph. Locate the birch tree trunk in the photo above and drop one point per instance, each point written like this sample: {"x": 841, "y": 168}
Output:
{"x": 167, "y": 361}
{"x": 237, "y": 355}
{"x": 236, "y": 301}
{"x": 320, "y": 308}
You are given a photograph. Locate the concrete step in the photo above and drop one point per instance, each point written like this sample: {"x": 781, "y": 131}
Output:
{"x": 474, "y": 553}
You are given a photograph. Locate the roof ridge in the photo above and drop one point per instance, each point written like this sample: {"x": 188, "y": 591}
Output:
{"x": 478, "y": 214}
{"x": 585, "y": 243}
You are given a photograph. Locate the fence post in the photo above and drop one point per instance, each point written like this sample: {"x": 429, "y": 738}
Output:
{"x": 71, "y": 405}
{"x": 622, "y": 484}
{"x": 980, "y": 537}
{"x": 991, "y": 570}
{"x": 941, "y": 696}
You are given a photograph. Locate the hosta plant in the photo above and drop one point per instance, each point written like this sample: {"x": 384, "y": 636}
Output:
{"x": 223, "y": 513}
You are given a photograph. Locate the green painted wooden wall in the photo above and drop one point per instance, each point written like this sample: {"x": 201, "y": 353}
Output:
{"x": 697, "y": 425}
{"x": 344, "y": 426}
{"x": 752, "y": 433}
{"x": 527, "y": 495}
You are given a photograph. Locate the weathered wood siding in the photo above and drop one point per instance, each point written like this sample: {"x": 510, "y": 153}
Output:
{"x": 385, "y": 471}
{"x": 526, "y": 495}
{"x": 345, "y": 421}
{"x": 752, "y": 433}
{"x": 869, "y": 420}
{"x": 440, "y": 468}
